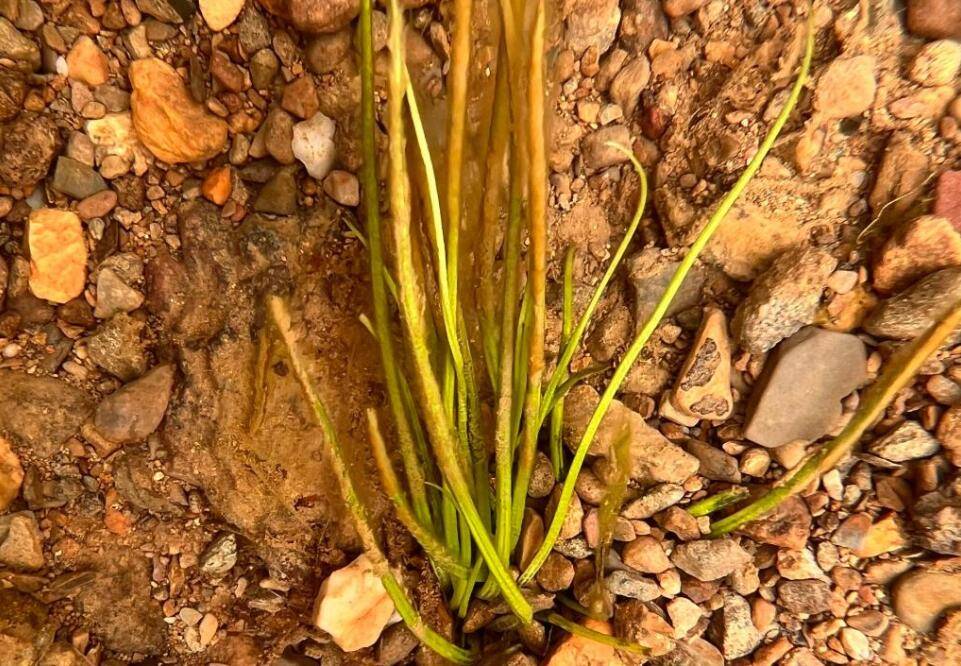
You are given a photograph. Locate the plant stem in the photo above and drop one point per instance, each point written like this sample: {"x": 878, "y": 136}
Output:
{"x": 457, "y": 119}
{"x": 281, "y": 317}
{"x": 576, "y": 629}
{"x": 620, "y": 373}
{"x": 898, "y": 373}
{"x": 709, "y": 505}
{"x": 557, "y": 409}
{"x": 442, "y": 435}
{"x": 412, "y": 466}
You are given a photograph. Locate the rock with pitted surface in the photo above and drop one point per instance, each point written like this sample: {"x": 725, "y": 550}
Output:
{"x": 805, "y": 596}
{"x": 798, "y": 396}
{"x": 787, "y": 526}
{"x": 783, "y": 299}
{"x": 703, "y": 387}
{"x": 732, "y": 627}
{"x": 17, "y": 47}
{"x": 846, "y": 87}
{"x": 27, "y": 147}
{"x": 592, "y": 23}
{"x": 117, "y": 347}
{"x": 936, "y": 521}
{"x": 169, "y": 122}
{"x": 21, "y": 544}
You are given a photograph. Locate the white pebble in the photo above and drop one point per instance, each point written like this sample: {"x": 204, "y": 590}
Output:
{"x": 313, "y": 145}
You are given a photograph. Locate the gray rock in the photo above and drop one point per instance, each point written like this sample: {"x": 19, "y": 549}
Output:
{"x": 253, "y": 29}
{"x": 576, "y": 548}
{"x": 592, "y": 23}
{"x": 17, "y": 47}
{"x": 279, "y": 195}
{"x": 653, "y": 501}
{"x": 710, "y": 559}
{"x": 936, "y": 521}
{"x": 715, "y": 464}
{"x": 909, "y": 313}
{"x": 732, "y": 627}
{"x": 220, "y": 556}
{"x": 21, "y": 544}
{"x": 805, "y": 596}
{"x": 41, "y": 413}
{"x": 908, "y": 441}
{"x": 632, "y": 585}
{"x": 76, "y": 179}
{"x": 783, "y": 299}
{"x": 798, "y": 396}
{"x": 133, "y": 412}
{"x": 278, "y": 135}
{"x": 597, "y": 154}
{"x": 643, "y": 22}
{"x": 114, "y": 295}
{"x": 650, "y": 271}
{"x": 117, "y": 347}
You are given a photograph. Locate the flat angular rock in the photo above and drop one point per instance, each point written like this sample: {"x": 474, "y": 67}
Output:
{"x": 40, "y": 413}
{"x": 709, "y": 559}
{"x": 352, "y": 606}
{"x": 909, "y": 313}
{"x": 650, "y": 271}
{"x": 117, "y": 347}
{"x": 17, "y": 47}
{"x": 798, "y": 396}
{"x": 897, "y": 186}
{"x": 733, "y": 629}
{"x": 21, "y": 545}
{"x": 788, "y": 526}
{"x": 135, "y": 410}
{"x": 783, "y": 299}
{"x": 936, "y": 521}
{"x": 917, "y": 248}
{"x": 653, "y": 501}
{"x": 805, "y": 596}
{"x": 846, "y": 87}
{"x": 908, "y": 441}
{"x": 703, "y": 388}
{"x": 715, "y": 463}
{"x": 654, "y": 458}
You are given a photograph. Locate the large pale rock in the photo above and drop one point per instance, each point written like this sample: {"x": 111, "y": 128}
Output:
{"x": 703, "y": 388}
{"x": 937, "y": 63}
{"x": 751, "y": 238}
{"x": 353, "y": 606}
{"x": 783, "y": 299}
{"x": 169, "y": 122}
{"x": 917, "y": 248}
{"x": 798, "y": 397}
{"x": 654, "y": 458}
{"x": 58, "y": 255}
{"x": 114, "y": 135}
{"x": 846, "y": 87}
{"x": 592, "y": 23}
{"x": 709, "y": 559}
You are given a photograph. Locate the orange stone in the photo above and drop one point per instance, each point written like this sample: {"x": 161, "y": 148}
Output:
{"x": 218, "y": 185}
{"x": 58, "y": 255}
{"x": 87, "y": 63}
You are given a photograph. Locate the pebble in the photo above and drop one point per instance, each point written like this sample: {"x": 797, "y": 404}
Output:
{"x": 343, "y": 187}
{"x": 632, "y": 586}
{"x": 949, "y": 434}
{"x": 97, "y": 205}
{"x": 17, "y": 47}
{"x": 596, "y": 152}
{"x": 630, "y": 81}
{"x": 352, "y": 606}
{"x": 856, "y": 644}
{"x": 592, "y": 23}
{"x": 313, "y": 145}
{"x": 909, "y": 313}
{"x": 921, "y": 596}
{"x": 117, "y": 347}
{"x": 76, "y": 179}
{"x": 653, "y": 501}
{"x": 219, "y": 14}
{"x": 278, "y": 196}
{"x": 783, "y": 299}
{"x": 714, "y": 463}
{"x": 703, "y": 386}
{"x": 809, "y": 597}
{"x": 11, "y": 475}
{"x": 58, "y": 254}
{"x": 936, "y": 518}
{"x": 21, "y": 544}
{"x": 135, "y": 411}
{"x": 190, "y": 616}
{"x": 943, "y": 390}
{"x": 846, "y": 87}
{"x": 264, "y": 66}
{"x": 915, "y": 249}
{"x": 788, "y": 526}
{"x": 684, "y": 614}
{"x": 218, "y": 185}
{"x": 798, "y": 397}
{"x": 934, "y": 19}
{"x": 572, "y": 521}
{"x": 733, "y": 629}
{"x": 87, "y": 63}
{"x": 220, "y": 556}
{"x": 300, "y": 97}
{"x": 556, "y": 574}
{"x": 709, "y": 559}
{"x": 314, "y": 16}
{"x": 169, "y": 122}
{"x": 208, "y": 629}
{"x": 937, "y": 63}
{"x": 646, "y": 555}
{"x": 908, "y": 441}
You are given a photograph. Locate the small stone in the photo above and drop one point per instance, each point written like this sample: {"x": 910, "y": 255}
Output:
{"x": 218, "y": 185}
{"x": 909, "y": 313}
{"x": 114, "y": 295}
{"x": 804, "y": 596}
{"x": 870, "y": 622}
{"x": 921, "y": 596}
{"x": 314, "y": 16}
{"x": 799, "y": 565}
{"x": 190, "y": 616}
{"x": 572, "y": 521}
{"x": 783, "y": 299}
{"x": 846, "y": 88}
{"x": 916, "y": 249}
{"x": 949, "y": 434}
{"x": 226, "y": 73}
{"x": 856, "y": 644}
{"x": 898, "y": 184}
{"x": 929, "y": 103}
{"x": 934, "y": 19}
{"x": 798, "y": 397}
{"x": 353, "y": 606}
{"x": 678, "y": 8}
{"x": 219, "y": 14}
{"x": 936, "y": 518}
{"x": 117, "y": 347}
{"x": 714, "y": 463}
{"x": 947, "y": 197}
{"x": 169, "y": 122}
{"x": 597, "y": 152}
{"x": 943, "y": 390}
{"x": 556, "y": 574}
{"x": 542, "y": 478}
{"x": 264, "y": 66}
{"x": 709, "y": 559}
{"x": 325, "y": 53}
{"x": 937, "y": 63}
{"x": 220, "y": 556}
{"x": 279, "y": 194}
{"x": 208, "y": 628}
{"x": 76, "y": 179}
{"x": 788, "y": 526}
{"x": 592, "y": 24}
{"x": 755, "y": 462}
{"x": 87, "y": 63}
{"x": 278, "y": 133}
{"x": 21, "y": 544}
{"x": 133, "y": 412}
{"x": 13, "y": 90}
{"x": 632, "y": 586}
{"x": 684, "y": 614}
{"x": 733, "y": 629}
{"x": 58, "y": 255}
{"x": 653, "y": 501}
{"x": 703, "y": 387}
{"x": 27, "y": 147}
{"x": 11, "y": 475}
{"x": 884, "y": 536}
{"x": 313, "y": 145}
{"x": 646, "y": 555}
{"x": 97, "y": 205}
{"x": 300, "y": 97}
{"x": 343, "y": 187}
{"x": 851, "y": 532}
{"x": 908, "y": 441}
{"x": 628, "y": 84}
{"x": 680, "y": 522}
